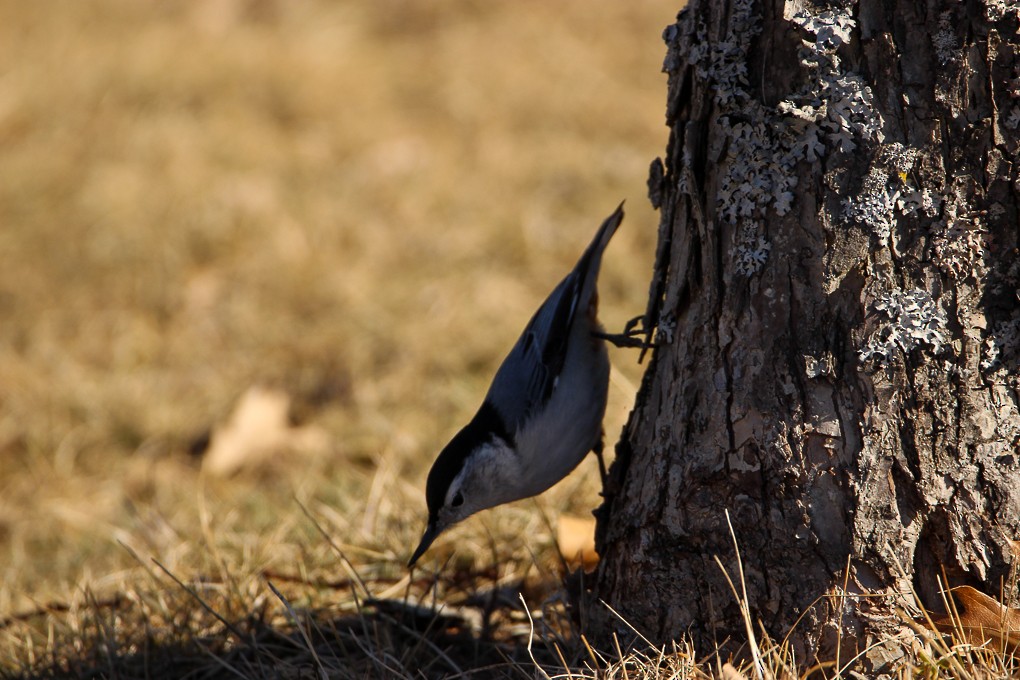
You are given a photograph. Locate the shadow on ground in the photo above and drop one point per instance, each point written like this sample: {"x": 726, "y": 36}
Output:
{"x": 486, "y": 635}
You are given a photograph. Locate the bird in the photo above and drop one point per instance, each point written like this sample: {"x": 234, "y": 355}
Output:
{"x": 543, "y": 412}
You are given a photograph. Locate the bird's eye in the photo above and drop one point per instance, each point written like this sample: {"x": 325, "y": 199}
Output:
{"x": 458, "y": 500}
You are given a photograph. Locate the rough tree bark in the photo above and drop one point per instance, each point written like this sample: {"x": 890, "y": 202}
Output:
{"x": 836, "y": 303}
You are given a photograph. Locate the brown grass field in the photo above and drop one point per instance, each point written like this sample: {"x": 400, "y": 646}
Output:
{"x": 353, "y": 207}
{"x": 356, "y": 204}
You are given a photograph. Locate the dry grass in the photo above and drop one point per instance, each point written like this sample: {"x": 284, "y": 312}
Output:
{"x": 358, "y": 204}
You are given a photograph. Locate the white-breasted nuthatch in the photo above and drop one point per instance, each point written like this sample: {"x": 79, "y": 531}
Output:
{"x": 543, "y": 412}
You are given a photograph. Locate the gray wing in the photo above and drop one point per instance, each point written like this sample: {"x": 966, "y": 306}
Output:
{"x": 528, "y": 375}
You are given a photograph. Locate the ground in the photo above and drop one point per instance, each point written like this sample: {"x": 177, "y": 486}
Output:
{"x": 354, "y": 207}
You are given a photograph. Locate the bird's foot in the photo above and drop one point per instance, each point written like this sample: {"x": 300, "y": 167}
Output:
{"x": 603, "y": 471}
{"x": 634, "y": 335}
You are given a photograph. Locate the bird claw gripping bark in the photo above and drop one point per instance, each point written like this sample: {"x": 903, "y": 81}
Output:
{"x": 634, "y": 335}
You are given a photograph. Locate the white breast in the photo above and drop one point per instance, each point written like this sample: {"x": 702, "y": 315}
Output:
{"x": 556, "y": 441}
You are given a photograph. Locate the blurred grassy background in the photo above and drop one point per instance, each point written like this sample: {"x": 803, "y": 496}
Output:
{"x": 358, "y": 203}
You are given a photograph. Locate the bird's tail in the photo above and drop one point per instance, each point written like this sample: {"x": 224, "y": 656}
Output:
{"x": 588, "y": 266}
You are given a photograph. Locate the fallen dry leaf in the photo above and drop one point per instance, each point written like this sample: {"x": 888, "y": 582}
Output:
{"x": 575, "y": 537}
{"x": 982, "y": 619}
{"x": 257, "y": 432}
{"x": 731, "y": 673}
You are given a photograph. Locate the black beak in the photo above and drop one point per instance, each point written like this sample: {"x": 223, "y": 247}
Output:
{"x": 426, "y": 540}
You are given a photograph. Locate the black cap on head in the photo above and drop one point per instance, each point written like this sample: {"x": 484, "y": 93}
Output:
{"x": 483, "y": 427}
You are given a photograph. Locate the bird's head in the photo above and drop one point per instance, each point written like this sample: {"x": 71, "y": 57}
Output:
{"x": 475, "y": 471}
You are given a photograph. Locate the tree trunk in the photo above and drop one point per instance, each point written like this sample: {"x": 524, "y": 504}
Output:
{"x": 838, "y": 328}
